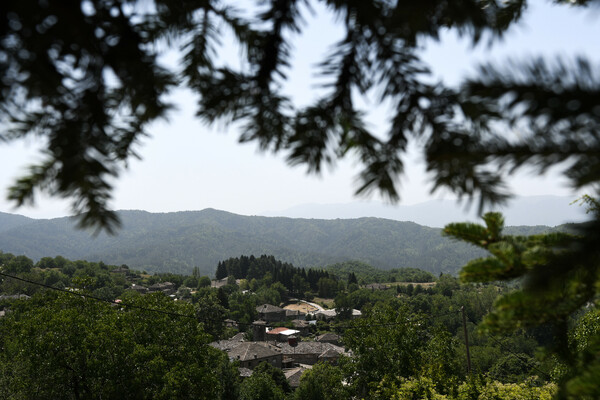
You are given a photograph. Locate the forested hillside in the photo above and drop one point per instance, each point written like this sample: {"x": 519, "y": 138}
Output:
{"x": 177, "y": 242}
{"x": 157, "y": 340}
{"x": 9, "y": 221}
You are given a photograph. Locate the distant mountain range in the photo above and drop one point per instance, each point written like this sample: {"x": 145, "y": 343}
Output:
{"x": 532, "y": 210}
{"x": 179, "y": 241}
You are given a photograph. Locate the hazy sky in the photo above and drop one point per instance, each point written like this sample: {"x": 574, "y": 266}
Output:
{"x": 189, "y": 166}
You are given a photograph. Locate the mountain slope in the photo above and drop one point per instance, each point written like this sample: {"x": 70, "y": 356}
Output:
{"x": 9, "y": 221}
{"x": 530, "y": 210}
{"x": 179, "y": 241}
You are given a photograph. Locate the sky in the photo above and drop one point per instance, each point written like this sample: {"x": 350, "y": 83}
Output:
{"x": 187, "y": 165}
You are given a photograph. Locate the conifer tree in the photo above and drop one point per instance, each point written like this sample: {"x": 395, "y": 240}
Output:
{"x": 560, "y": 278}
{"x": 222, "y": 272}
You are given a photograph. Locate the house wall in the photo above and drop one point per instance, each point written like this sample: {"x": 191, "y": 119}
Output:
{"x": 275, "y": 361}
{"x": 273, "y": 316}
{"x": 309, "y": 359}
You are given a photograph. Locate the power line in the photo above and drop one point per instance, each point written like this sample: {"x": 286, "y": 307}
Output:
{"x": 174, "y": 314}
{"x": 89, "y": 296}
{"x": 517, "y": 355}
{"x": 420, "y": 318}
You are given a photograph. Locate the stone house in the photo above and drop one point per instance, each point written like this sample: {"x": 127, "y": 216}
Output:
{"x": 294, "y": 314}
{"x": 302, "y": 326}
{"x": 259, "y": 331}
{"x": 310, "y": 353}
{"x": 329, "y": 337}
{"x": 165, "y": 287}
{"x": 293, "y": 375}
{"x": 139, "y": 288}
{"x": 250, "y": 354}
{"x": 271, "y": 313}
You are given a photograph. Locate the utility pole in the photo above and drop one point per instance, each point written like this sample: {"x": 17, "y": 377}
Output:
{"x": 462, "y": 310}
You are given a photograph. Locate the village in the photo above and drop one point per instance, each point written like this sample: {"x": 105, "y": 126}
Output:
{"x": 293, "y": 348}
{"x": 288, "y": 349}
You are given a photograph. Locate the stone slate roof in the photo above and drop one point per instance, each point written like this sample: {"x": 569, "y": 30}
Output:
{"x": 247, "y": 351}
{"x": 161, "y": 286}
{"x": 225, "y": 345}
{"x": 300, "y": 323}
{"x": 269, "y": 308}
{"x": 310, "y": 348}
{"x": 327, "y": 313}
{"x": 329, "y": 353}
{"x": 230, "y": 343}
{"x": 239, "y": 337}
{"x": 329, "y": 336}
{"x": 293, "y": 375}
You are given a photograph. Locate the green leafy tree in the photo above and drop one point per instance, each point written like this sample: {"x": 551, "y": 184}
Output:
{"x": 275, "y": 373}
{"x": 190, "y": 282}
{"x": 203, "y": 281}
{"x": 210, "y": 312}
{"x": 17, "y": 265}
{"x": 421, "y": 388}
{"x": 441, "y": 361}
{"x": 482, "y": 389}
{"x": 46, "y": 262}
{"x": 386, "y": 343}
{"x": 260, "y": 386}
{"x": 242, "y": 308}
{"x": 512, "y": 368}
{"x": 73, "y": 347}
{"x": 343, "y": 306}
{"x": 322, "y": 382}
{"x": 268, "y": 295}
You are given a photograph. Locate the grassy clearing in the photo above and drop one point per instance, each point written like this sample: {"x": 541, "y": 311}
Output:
{"x": 327, "y": 303}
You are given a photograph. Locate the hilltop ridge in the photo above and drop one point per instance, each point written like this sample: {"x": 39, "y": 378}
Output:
{"x": 179, "y": 241}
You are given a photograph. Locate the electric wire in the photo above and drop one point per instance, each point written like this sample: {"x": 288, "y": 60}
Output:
{"x": 519, "y": 357}
{"x": 89, "y": 296}
{"x": 505, "y": 348}
{"x": 199, "y": 319}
